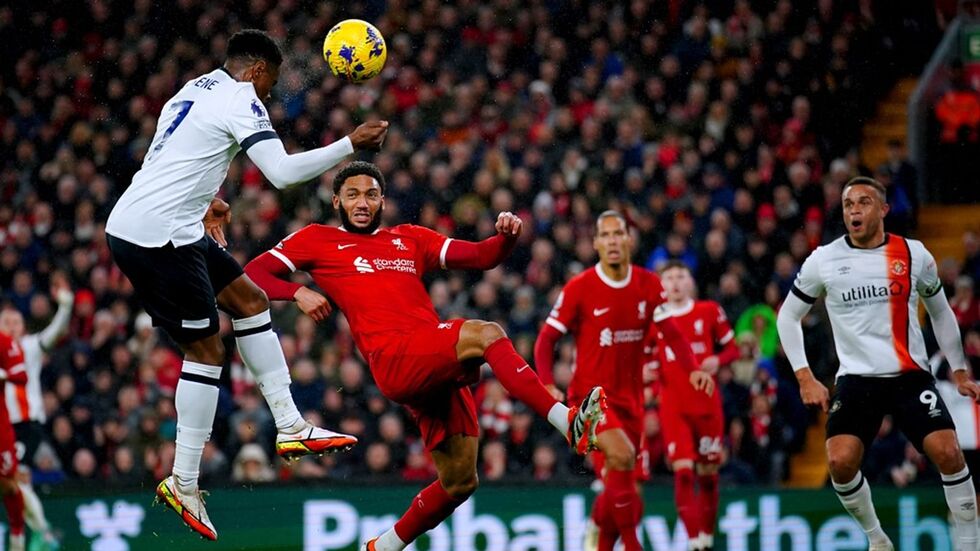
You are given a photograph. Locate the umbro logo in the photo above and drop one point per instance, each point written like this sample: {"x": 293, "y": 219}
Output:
{"x": 363, "y": 266}
{"x": 342, "y": 247}
{"x": 844, "y": 270}
{"x": 599, "y": 311}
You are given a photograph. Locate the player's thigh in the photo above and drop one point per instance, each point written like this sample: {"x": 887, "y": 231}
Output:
{"x": 420, "y": 363}
{"x": 678, "y": 435}
{"x": 173, "y": 286}
{"x": 856, "y": 408}
{"x": 708, "y": 431}
{"x": 919, "y": 410}
{"x": 444, "y": 414}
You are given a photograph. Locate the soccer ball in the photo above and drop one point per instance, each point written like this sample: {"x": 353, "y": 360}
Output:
{"x": 355, "y": 50}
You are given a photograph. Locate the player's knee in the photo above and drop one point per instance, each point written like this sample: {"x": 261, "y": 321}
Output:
{"x": 255, "y": 302}
{"x": 207, "y": 351}
{"x": 491, "y": 332}
{"x": 949, "y": 458}
{"x": 463, "y": 487}
{"x": 843, "y": 467}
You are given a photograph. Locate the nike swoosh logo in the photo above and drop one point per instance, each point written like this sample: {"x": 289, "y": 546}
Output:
{"x": 523, "y": 368}
{"x": 598, "y": 312}
{"x": 621, "y": 505}
{"x": 342, "y": 247}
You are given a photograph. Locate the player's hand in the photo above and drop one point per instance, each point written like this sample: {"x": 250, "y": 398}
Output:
{"x": 61, "y": 290}
{"x": 812, "y": 391}
{"x": 219, "y": 214}
{"x": 556, "y": 393}
{"x": 710, "y": 365}
{"x": 703, "y": 382}
{"x": 509, "y": 224}
{"x": 369, "y": 135}
{"x": 966, "y": 386}
{"x": 312, "y": 303}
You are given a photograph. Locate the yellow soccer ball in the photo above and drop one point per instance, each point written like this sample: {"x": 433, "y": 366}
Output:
{"x": 355, "y": 50}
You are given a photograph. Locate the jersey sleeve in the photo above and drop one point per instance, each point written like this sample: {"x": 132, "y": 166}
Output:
{"x": 297, "y": 250}
{"x": 809, "y": 285}
{"x": 432, "y": 246}
{"x": 722, "y": 328}
{"x": 658, "y": 299}
{"x": 564, "y": 314}
{"x": 247, "y": 119}
{"x": 928, "y": 282}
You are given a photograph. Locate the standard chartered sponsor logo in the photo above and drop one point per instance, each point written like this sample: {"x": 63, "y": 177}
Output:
{"x": 608, "y": 337}
{"x": 396, "y": 264}
{"x": 336, "y": 524}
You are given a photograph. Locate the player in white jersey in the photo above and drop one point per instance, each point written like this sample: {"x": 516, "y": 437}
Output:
{"x": 873, "y": 282}
{"x": 180, "y": 270}
{"x": 24, "y": 402}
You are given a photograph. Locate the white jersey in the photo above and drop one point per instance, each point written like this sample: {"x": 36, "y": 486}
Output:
{"x": 199, "y": 132}
{"x": 24, "y": 403}
{"x": 872, "y": 300}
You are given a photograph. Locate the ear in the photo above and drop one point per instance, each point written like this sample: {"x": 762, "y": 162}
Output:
{"x": 336, "y": 201}
{"x": 885, "y": 207}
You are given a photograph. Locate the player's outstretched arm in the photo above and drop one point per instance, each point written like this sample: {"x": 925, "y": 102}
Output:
{"x": 790, "y": 328}
{"x": 948, "y": 335}
{"x": 486, "y": 254}
{"x": 284, "y": 170}
{"x": 58, "y": 327}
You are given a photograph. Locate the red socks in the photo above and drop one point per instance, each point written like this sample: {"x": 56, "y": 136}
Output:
{"x": 622, "y": 505}
{"x": 687, "y": 505}
{"x": 708, "y": 500}
{"x": 14, "y": 503}
{"x": 517, "y": 377}
{"x": 430, "y": 507}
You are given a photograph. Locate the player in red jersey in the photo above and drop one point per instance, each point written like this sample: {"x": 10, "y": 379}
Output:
{"x": 374, "y": 277}
{"x": 12, "y": 370}
{"x": 610, "y": 309}
{"x": 693, "y": 423}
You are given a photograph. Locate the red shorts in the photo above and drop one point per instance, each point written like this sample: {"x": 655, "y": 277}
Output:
{"x": 8, "y": 452}
{"x": 695, "y": 437}
{"x": 420, "y": 371}
{"x": 632, "y": 424}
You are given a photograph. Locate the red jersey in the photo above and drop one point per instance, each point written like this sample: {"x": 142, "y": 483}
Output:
{"x": 703, "y": 323}
{"x": 610, "y": 320}
{"x": 12, "y": 363}
{"x": 375, "y": 279}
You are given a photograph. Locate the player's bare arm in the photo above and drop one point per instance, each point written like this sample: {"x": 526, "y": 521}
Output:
{"x": 812, "y": 392}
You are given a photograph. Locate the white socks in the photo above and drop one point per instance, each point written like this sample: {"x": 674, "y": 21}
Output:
{"x": 196, "y": 401}
{"x": 558, "y": 417}
{"x": 33, "y": 510}
{"x": 855, "y": 496}
{"x": 260, "y": 350}
{"x": 962, "y": 500}
{"x": 389, "y": 541}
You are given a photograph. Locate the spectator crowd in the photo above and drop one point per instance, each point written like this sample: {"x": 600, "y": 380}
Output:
{"x": 723, "y": 129}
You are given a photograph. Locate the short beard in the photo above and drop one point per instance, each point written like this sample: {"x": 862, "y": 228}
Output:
{"x": 346, "y": 223}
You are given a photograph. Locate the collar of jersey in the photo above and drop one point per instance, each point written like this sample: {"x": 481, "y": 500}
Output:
{"x": 612, "y": 282}
{"x": 227, "y": 72}
{"x": 682, "y": 310}
{"x": 343, "y": 229}
{"x": 847, "y": 239}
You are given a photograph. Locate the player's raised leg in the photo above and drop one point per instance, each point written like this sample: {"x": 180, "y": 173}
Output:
{"x": 487, "y": 340}
{"x": 844, "y": 455}
{"x": 619, "y": 505}
{"x": 943, "y": 449}
{"x": 260, "y": 350}
{"x": 455, "y": 460}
